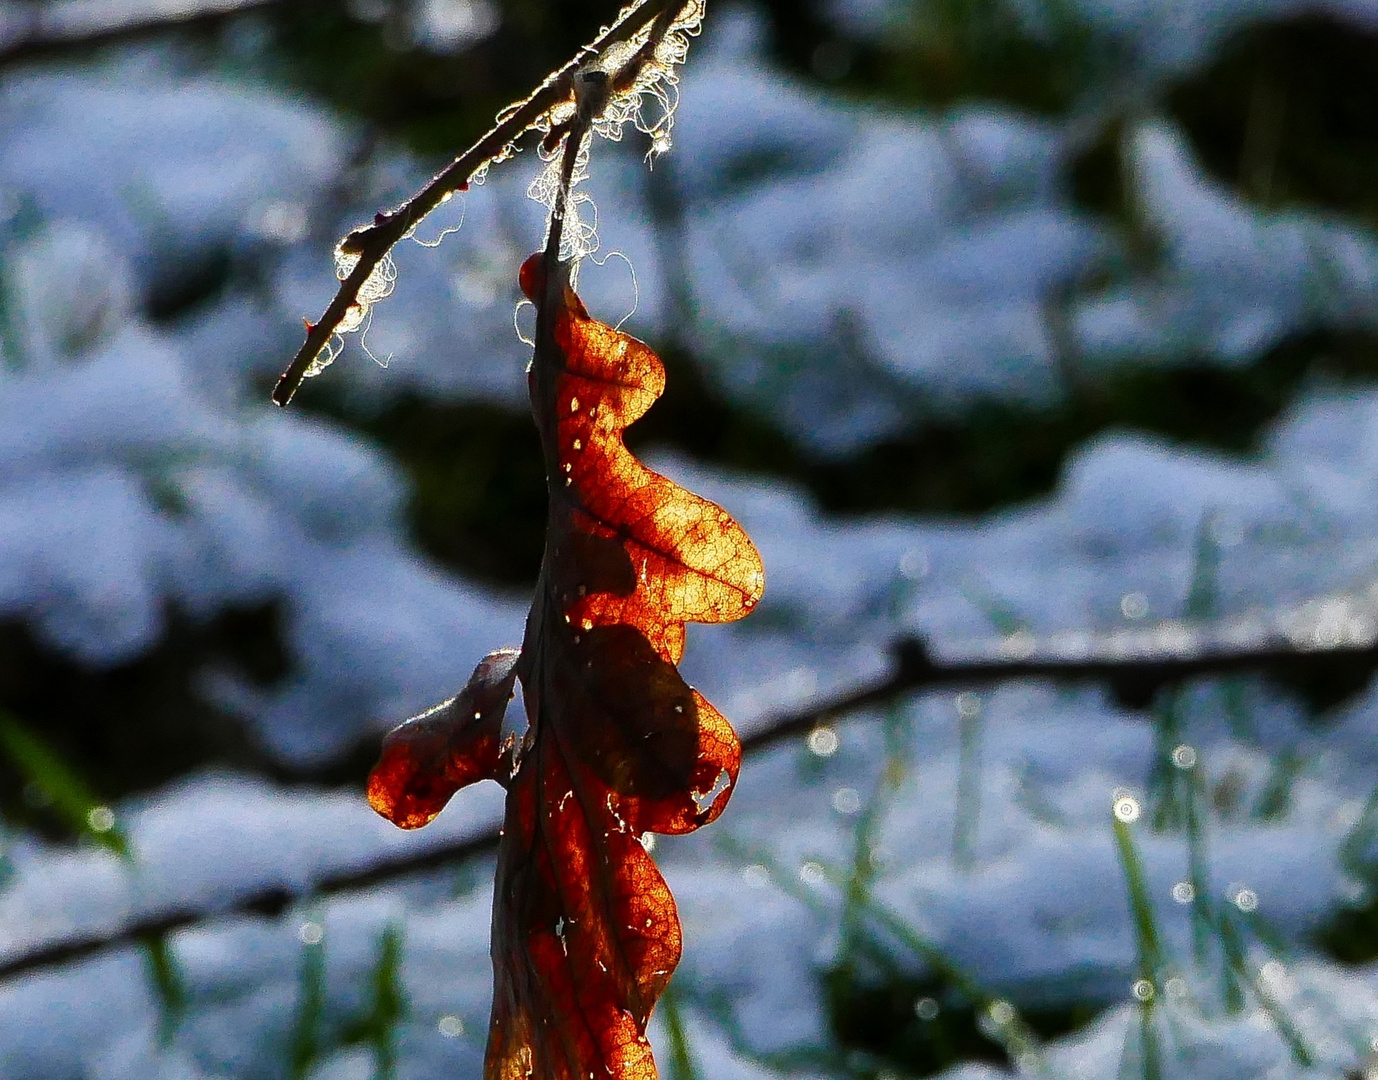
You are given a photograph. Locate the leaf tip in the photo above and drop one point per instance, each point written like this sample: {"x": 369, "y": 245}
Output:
{"x": 531, "y": 278}
{"x": 428, "y": 758}
{"x": 405, "y": 787}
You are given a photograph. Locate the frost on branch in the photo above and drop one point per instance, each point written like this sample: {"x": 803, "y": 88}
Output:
{"x": 585, "y": 932}
{"x": 635, "y": 59}
{"x": 642, "y": 88}
{"x": 377, "y": 286}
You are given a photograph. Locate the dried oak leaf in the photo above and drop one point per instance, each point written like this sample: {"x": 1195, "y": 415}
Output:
{"x": 431, "y": 756}
{"x": 585, "y": 932}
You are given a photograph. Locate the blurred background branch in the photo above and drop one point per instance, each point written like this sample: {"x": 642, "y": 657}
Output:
{"x": 1104, "y": 658}
{"x": 44, "y": 30}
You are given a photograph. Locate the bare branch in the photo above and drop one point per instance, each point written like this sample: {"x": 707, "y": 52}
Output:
{"x": 1102, "y": 659}
{"x": 271, "y": 901}
{"x": 366, "y": 248}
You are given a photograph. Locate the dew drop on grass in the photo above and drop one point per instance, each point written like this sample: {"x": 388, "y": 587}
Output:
{"x": 823, "y": 741}
{"x": 756, "y": 876}
{"x": 101, "y": 819}
{"x": 1134, "y": 605}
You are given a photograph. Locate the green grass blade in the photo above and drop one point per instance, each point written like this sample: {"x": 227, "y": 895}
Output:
{"x": 71, "y": 799}
{"x": 377, "y": 1028}
{"x": 1198, "y": 865}
{"x": 169, "y": 985}
{"x": 304, "y": 1040}
{"x": 856, "y": 890}
{"x": 1236, "y": 956}
{"x": 1203, "y": 594}
{"x": 7, "y": 871}
{"x": 968, "y": 809}
{"x": 1165, "y": 790}
{"x": 1148, "y": 947}
{"x": 389, "y": 1001}
{"x": 1148, "y": 941}
{"x": 682, "y": 1065}
{"x": 1356, "y": 851}
{"x": 1276, "y": 797}
{"x": 1001, "y": 615}
{"x": 11, "y": 342}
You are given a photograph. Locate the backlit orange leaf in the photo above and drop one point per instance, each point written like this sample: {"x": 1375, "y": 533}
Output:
{"x": 431, "y": 756}
{"x": 585, "y": 932}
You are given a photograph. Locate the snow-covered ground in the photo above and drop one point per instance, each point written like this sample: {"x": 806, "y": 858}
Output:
{"x": 851, "y": 271}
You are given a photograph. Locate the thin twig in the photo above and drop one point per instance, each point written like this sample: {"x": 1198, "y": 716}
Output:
{"x": 269, "y": 901}
{"x": 913, "y": 671}
{"x": 1135, "y": 679}
{"x": 372, "y": 243}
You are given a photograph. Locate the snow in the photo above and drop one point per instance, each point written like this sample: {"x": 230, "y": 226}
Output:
{"x": 190, "y": 167}
{"x": 929, "y": 221}
{"x": 129, "y": 486}
{"x": 1239, "y": 280}
{"x": 853, "y": 270}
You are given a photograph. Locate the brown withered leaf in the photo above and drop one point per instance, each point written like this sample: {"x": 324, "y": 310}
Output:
{"x": 430, "y": 757}
{"x": 585, "y": 932}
